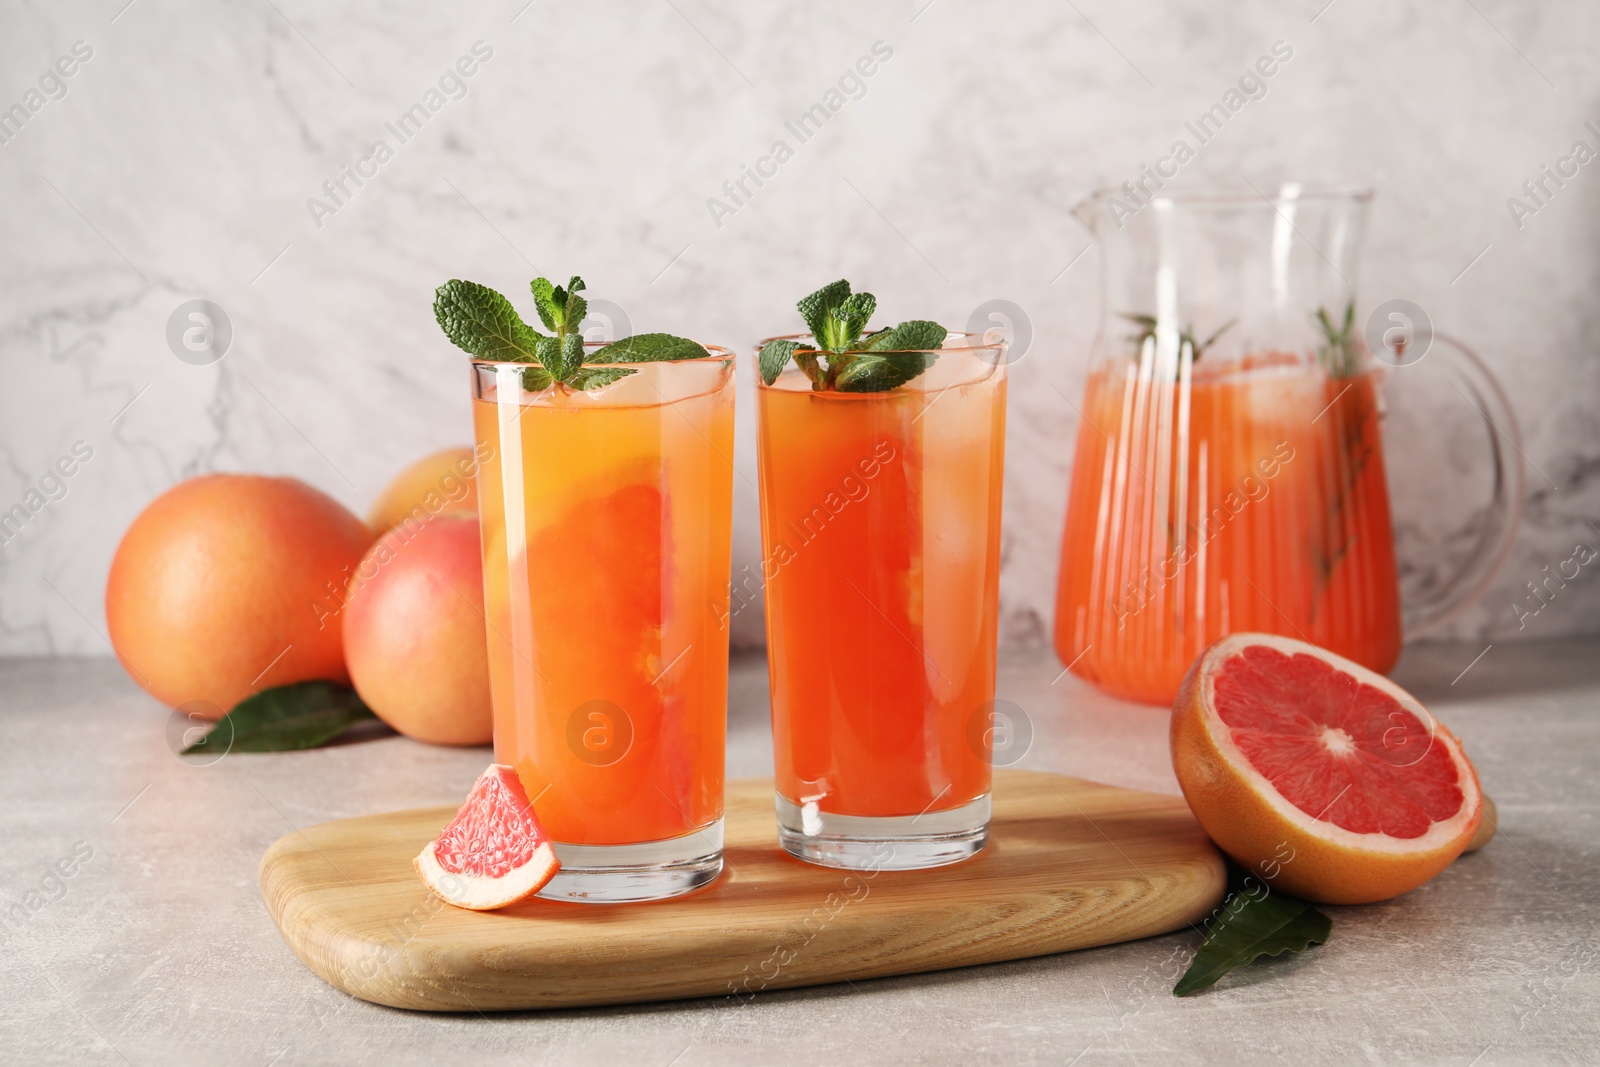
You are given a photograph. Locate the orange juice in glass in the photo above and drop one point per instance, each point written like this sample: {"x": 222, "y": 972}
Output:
{"x": 606, "y": 524}
{"x": 880, "y": 520}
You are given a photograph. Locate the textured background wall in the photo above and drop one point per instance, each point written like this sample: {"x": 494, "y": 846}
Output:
{"x": 176, "y": 163}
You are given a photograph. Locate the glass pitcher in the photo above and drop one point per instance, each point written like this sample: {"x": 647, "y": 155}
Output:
{"x": 1229, "y": 472}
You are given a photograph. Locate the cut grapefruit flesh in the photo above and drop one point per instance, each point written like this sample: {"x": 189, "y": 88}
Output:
{"x": 493, "y": 853}
{"x": 1318, "y": 775}
{"x": 612, "y": 552}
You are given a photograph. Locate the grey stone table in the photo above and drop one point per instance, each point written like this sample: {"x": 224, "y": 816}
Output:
{"x": 133, "y": 933}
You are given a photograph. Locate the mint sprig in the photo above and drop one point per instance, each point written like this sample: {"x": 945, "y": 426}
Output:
{"x": 841, "y": 358}
{"x": 483, "y": 323}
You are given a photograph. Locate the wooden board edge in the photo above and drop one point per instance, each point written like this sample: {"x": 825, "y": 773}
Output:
{"x": 339, "y": 961}
{"x": 329, "y": 955}
{"x": 1211, "y": 875}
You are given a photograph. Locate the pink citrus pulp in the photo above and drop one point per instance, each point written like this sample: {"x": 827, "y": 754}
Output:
{"x": 1319, "y": 775}
{"x": 493, "y": 853}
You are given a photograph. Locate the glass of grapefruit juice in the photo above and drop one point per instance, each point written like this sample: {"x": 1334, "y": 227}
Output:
{"x": 880, "y": 522}
{"x": 606, "y": 519}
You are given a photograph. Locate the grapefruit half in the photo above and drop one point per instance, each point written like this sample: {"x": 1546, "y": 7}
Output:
{"x": 494, "y": 853}
{"x": 1318, "y": 775}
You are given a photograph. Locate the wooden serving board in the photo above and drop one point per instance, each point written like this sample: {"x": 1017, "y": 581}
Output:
{"x": 1070, "y": 864}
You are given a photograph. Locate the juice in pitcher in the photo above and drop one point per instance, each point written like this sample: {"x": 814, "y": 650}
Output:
{"x": 1250, "y": 498}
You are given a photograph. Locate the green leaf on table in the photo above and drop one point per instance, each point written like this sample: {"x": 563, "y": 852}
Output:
{"x": 481, "y": 321}
{"x": 286, "y": 718}
{"x": 649, "y": 348}
{"x": 1252, "y": 924}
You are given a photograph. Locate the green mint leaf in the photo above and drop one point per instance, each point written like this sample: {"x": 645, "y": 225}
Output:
{"x": 289, "y": 717}
{"x": 874, "y": 373}
{"x": 551, "y": 310}
{"x": 916, "y": 335}
{"x": 774, "y": 357}
{"x": 561, "y": 356}
{"x": 875, "y": 340}
{"x": 571, "y": 353}
{"x": 851, "y": 315}
{"x": 596, "y": 377}
{"x": 1252, "y": 926}
{"x": 577, "y": 308}
{"x": 649, "y": 348}
{"x": 536, "y": 379}
{"x": 815, "y": 308}
{"x": 483, "y": 323}
{"x": 561, "y": 310}
{"x": 806, "y": 360}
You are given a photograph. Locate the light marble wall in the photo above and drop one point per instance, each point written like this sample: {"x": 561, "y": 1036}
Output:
{"x": 179, "y": 162}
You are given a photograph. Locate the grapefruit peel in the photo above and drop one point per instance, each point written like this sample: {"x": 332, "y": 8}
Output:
{"x": 1247, "y": 814}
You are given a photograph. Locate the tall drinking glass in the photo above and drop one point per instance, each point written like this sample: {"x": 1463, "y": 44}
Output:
{"x": 880, "y": 523}
{"x": 606, "y": 524}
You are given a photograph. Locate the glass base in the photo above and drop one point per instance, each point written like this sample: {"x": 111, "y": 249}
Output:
{"x": 649, "y": 870}
{"x": 887, "y": 843}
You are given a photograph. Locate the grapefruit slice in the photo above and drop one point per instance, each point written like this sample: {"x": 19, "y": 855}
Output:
{"x": 1318, "y": 775}
{"x": 494, "y": 852}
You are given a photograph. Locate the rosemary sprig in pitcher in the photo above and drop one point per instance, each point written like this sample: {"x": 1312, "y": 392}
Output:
{"x": 1338, "y": 353}
{"x": 1186, "y": 337}
{"x": 1340, "y": 357}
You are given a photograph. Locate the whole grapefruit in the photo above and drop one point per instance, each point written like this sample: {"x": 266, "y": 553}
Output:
{"x": 414, "y": 633}
{"x": 1318, "y": 775}
{"x": 443, "y": 484}
{"x": 228, "y": 584}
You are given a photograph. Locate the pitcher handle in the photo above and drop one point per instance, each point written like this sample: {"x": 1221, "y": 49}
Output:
{"x": 1472, "y": 378}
